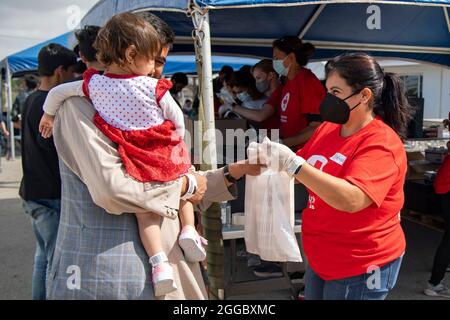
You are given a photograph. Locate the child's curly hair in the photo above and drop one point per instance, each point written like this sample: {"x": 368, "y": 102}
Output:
{"x": 122, "y": 31}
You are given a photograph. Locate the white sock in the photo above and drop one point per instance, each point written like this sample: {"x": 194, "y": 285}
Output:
{"x": 158, "y": 258}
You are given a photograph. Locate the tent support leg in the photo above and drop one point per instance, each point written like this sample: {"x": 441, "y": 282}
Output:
{"x": 8, "y": 84}
{"x": 211, "y": 219}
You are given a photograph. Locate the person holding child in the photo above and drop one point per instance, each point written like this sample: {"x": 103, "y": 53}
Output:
{"x": 139, "y": 114}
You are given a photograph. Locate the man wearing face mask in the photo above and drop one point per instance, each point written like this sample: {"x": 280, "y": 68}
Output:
{"x": 267, "y": 82}
{"x": 224, "y": 74}
{"x": 244, "y": 89}
{"x": 266, "y": 78}
{"x": 40, "y": 187}
{"x": 297, "y": 101}
{"x": 179, "y": 81}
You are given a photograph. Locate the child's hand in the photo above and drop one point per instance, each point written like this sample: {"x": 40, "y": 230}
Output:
{"x": 46, "y": 125}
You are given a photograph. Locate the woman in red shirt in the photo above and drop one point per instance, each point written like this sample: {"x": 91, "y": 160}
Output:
{"x": 354, "y": 167}
{"x": 435, "y": 286}
{"x": 298, "y": 100}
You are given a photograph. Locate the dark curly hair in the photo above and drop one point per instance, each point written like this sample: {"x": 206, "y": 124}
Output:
{"x": 122, "y": 31}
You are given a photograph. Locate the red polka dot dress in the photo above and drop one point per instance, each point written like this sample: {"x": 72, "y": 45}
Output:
{"x": 139, "y": 114}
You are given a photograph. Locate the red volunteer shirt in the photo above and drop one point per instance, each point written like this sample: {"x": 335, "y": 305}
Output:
{"x": 442, "y": 182}
{"x": 340, "y": 244}
{"x": 297, "y": 98}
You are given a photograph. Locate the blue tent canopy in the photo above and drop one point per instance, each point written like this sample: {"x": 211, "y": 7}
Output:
{"x": 415, "y": 29}
{"x": 186, "y": 63}
{"x": 26, "y": 60}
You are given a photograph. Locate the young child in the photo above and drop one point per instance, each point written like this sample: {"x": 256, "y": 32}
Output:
{"x": 138, "y": 113}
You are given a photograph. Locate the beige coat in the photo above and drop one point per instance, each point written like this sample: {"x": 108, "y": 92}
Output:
{"x": 93, "y": 158}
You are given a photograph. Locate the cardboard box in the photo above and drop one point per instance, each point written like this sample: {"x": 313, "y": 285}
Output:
{"x": 436, "y": 155}
{"x": 414, "y": 155}
{"x": 417, "y": 169}
{"x": 221, "y": 124}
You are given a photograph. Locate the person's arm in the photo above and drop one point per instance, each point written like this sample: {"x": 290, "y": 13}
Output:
{"x": 219, "y": 188}
{"x": 59, "y": 94}
{"x": 172, "y": 111}
{"x": 53, "y": 102}
{"x": 90, "y": 155}
{"x": 94, "y": 159}
{"x": 255, "y": 115}
{"x": 4, "y": 130}
{"x": 338, "y": 193}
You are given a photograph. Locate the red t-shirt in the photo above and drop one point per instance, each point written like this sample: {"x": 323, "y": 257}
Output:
{"x": 340, "y": 244}
{"x": 297, "y": 98}
{"x": 442, "y": 182}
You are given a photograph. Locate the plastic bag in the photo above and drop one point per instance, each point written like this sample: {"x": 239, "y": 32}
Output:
{"x": 269, "y": 217}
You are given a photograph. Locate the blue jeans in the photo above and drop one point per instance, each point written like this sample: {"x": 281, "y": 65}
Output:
{"x": 44, "y": 216}
{"x": 374, "y": 285}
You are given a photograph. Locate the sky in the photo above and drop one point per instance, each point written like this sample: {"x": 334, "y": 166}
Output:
{"x": 24, "y": 23}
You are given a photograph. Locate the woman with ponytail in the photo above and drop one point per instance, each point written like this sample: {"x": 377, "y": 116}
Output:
{"x": 296, "y": 102}
{"x": 354, "y": 168}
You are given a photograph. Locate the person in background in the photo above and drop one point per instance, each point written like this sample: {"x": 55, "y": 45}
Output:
{"x": 298, "y": 100}
{"x": 31, "y": 82}
{"x": 267, "y": 82}
{"x": 86, "y": 51}
{"x": 224, "y": 73}
{"x": 40, "y": 187}
{"x": 3, "y": 129}
{"x": 435, "y": 287}
{"x": 244, "y": 90}
{"x": 188, "y": 108}
{"x": 246, "y": 68}
{"x": 79, "y": 69}
{"x": 267, "y": 79}
{"x": 224, "y": 97}
{"x": 5, "y": 133}
{"x": 179, "y": 81}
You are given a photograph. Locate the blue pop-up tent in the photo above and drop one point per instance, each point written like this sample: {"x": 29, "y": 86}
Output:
{"x": 408, "y": 29}
{"x": 26, "y": 60}
{"x": 186, "y": 63}
{"x": 400, "y": 29}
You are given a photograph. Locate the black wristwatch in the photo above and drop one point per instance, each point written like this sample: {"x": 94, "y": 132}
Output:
{"x": 228, "y": 176}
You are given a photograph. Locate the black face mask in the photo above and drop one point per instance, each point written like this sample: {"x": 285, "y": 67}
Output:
{"x": 336, "y": 110}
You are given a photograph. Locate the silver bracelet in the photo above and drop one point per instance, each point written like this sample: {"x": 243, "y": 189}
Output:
{"x": 294, "y": 165}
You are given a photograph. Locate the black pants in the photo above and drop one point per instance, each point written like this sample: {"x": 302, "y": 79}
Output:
{"x": 442, "y": 256}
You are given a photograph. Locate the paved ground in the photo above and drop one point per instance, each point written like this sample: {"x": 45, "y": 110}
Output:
{"x": 16, "y": 238}
{"x": 17, "y": 249}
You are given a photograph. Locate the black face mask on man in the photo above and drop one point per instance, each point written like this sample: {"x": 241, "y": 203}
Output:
{"x": 336, "y": 110}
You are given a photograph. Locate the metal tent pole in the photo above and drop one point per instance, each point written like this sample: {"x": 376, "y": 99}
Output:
{"x": 9, "y": 103}
{"x": 211, "y": 219}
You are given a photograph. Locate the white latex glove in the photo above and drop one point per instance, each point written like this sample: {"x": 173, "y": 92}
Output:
{"x": 255, "y": 155}
{"x": 278, "y": 156}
